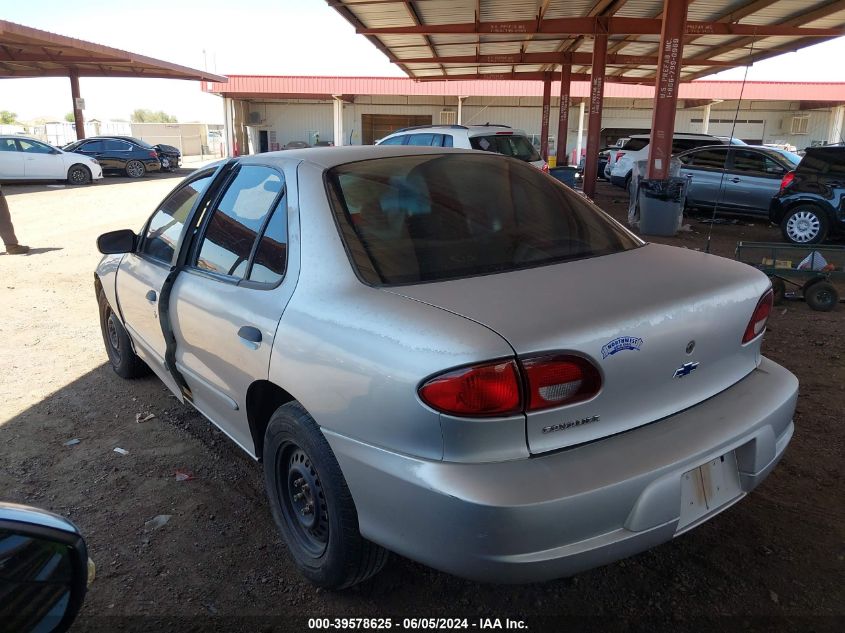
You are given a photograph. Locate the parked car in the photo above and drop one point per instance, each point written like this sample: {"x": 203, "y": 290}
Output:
{"x": 810, "y": 205}
{"x": 637, "y": 149}
{"x": 170, "y": 157}
{"x": 407, "y": 360}
{"x": 44, "y": 570}
{"x": 25, "y": 158}
{"x": 124, "y": 154}
{"x": 739, "y": 179}
{"x": 500, "y": 139}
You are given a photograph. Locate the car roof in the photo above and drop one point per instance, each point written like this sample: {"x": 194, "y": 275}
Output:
{"x": 472, "y": 129}
{"x": 328, "y": 157}
{"x": 679, "y": 135}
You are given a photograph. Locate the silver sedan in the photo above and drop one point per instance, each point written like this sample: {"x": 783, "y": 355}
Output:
{"x": 449, "y": 355}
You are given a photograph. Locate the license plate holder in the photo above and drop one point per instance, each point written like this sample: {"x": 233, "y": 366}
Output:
{"x": 707, "y": 488}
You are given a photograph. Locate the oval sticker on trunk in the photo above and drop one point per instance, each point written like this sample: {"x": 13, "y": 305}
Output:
{"x": 620, "y": 344}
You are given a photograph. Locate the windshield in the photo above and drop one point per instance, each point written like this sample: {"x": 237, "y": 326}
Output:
{"x": 431, "y": 217}
{"x": 508, "y": 144}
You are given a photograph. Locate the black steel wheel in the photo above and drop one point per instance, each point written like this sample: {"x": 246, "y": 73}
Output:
{"x": 135, "y": 169}
{"x": 821, "y": 296}
{"x": 78, "y": 175}
{"x": 312, "y": 505}
{"x": 122, "y": 357}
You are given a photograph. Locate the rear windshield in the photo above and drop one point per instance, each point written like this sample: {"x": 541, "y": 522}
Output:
{"x": 635, "y": 144}
{"x": 508, "y": 144}
{"x": 431, "y": 217}
{"x": 823, "y": 161}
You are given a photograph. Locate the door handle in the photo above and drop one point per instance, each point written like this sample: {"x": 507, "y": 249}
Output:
{"x": 734, "y": 180}
{"x": 151, "y": 296}
{"x": 250, "y": 335}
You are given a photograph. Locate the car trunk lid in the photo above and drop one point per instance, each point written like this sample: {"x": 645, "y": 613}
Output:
{"x": 663, "y": 325}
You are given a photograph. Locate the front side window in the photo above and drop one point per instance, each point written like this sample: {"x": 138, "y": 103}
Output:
{"x": 33, "y": 147}
{"x": 92, "y": 146}
{"x": 707, "y": 158}
{"x": 635, "y": 144}
{"x": 426, "y": 139}
{"x": 508, "y": 144}
{"x": 165, "y": 227}
{"x": 396, "y": 140}
{"x": 412, "y": 219}
{"x": 235, "y": 224}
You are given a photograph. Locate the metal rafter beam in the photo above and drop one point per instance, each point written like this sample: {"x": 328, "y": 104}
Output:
{"x": 529, "y": 76}
{"x": 584, "y": 59}
{"x": 615, "y": 26}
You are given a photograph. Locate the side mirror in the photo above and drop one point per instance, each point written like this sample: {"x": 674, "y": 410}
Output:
{"x": 43, "y": 570}
{"x": 117, "y": 242}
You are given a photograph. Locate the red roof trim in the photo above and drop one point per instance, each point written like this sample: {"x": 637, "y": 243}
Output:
{"x": 291, "y": 87}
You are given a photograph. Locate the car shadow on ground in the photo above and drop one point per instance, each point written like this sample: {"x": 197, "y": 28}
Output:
{"x": 219, "y": 558}
{"x": 11, "y": 188}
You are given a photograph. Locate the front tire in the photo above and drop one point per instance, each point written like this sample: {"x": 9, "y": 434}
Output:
{"x": 78, "y": 175}
{"x": 122, "y": 357}
{"x": 135, "y": 169}
{"x": 805, "y": 224}
{"x": 312, "y": 505}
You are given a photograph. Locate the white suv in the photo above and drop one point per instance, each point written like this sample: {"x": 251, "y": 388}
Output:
{"x": 637, "y": 149}
{"x": 489, "y": 138}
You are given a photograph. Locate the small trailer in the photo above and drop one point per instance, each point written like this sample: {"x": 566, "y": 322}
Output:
{"x": 812, "y": 270}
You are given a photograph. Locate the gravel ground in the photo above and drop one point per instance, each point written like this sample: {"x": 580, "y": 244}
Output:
{"x": 772, "y": 562}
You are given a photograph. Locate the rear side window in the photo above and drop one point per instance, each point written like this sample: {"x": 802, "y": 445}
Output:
{"x": 706, "y": 159}
{"x": 112, "y": 145}
{"x": 270, "y": 259}
{"x": 8, "y": 145}
{"x": 240, "y": 216}
{"x": 447, "y": 140}
{"x": 756, "y": 163}
{"x": 413, "y": 219}
{"x": 165, "y": 226}
{"x": 823, "y": 161}
{"x": 513, "y": 145}
{"x": 635, "y": 144}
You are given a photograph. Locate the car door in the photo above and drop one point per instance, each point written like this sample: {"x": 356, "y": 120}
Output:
{"x": 704, "y": 168}
{"x": 95, "y": 148}
{"x": 226, "y": 303}
{"x": 751, "y": 181}
{"x": 117, "y": 153}
{"x": 141, "y": 274}
{"x": 40, "y": 161}
{"x": 11, "y": 159}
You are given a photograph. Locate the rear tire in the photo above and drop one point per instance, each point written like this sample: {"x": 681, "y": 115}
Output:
{"x": 122, "y": 357}
{"x": 135, "y": 169}
{"x": 312, "y": 505}
{"x": 821, "y": 296}
{"x": 78, "y": 175}
{"x": 805, "y": 224}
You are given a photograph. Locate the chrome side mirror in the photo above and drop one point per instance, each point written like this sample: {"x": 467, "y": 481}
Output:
{"x": 43, "y": 570}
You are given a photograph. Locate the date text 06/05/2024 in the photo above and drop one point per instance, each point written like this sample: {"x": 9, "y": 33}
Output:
{"x": 414, "y": 624}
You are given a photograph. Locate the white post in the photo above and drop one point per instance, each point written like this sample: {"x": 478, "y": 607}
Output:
{"x": 338, "y": 120}
{"x": 578, "y": 143}
{"x": 705, "y": 120}
{"x": 227, "y": 125}
{"x": 836, "y": 131}
{"x": 460, "y": 120}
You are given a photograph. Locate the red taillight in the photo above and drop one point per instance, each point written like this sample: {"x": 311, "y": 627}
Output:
{"x": 153, "y": 154}
{"x": 554, "y": 381}
{"x": 757, "y": 324}
{"x": 619, "y": 155}
{"x": 787, "y": 179}
{"x": 481, "y": 390}
{"x": 545, "y": 168}
{"x": 495, "y": 388}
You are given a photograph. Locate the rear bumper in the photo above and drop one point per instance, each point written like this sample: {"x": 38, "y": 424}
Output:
{"x": 619, "y": 181}
{"x": 557, "y": 514}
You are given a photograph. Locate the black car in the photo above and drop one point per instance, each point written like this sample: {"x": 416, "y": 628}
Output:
{"x": 125, "y": 154}
{"x": 170, "y": 157}
{"x": 810, "y": 205}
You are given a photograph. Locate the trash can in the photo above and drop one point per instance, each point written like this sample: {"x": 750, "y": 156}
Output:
{"x": 661, "y": 205}
{"x": 565, "y": 174}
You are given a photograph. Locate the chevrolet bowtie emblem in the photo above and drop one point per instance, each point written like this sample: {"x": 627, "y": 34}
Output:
{"x": 685, "y": 370}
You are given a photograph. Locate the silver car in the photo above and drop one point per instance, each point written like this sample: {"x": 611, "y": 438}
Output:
{"x": 449, "y": 355}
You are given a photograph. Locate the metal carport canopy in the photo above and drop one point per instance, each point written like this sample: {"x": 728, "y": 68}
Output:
{"x": 530, "y": 39}
{"x": 29, "y": 52}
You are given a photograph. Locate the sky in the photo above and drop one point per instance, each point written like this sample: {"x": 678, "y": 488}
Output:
{"x": 256, "y": 37}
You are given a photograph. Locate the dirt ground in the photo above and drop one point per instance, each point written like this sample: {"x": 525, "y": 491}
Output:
{"x": 773, "y": 562}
